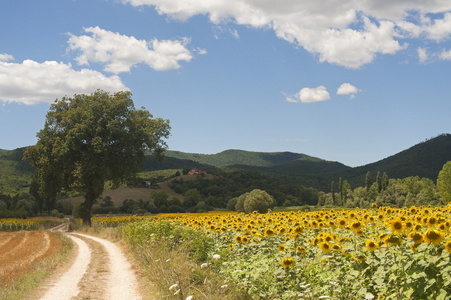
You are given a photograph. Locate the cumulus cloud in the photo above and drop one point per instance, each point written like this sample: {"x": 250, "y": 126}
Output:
{"x": 422, "y": 54}
{"x": 31, "y": 82}
{"x": 347, "y": 89}
{"x": 120, "y": 52}
{"x": 309, "y": 95}
{"x": 6, "y": 57}
{"x": 344, "y": 32}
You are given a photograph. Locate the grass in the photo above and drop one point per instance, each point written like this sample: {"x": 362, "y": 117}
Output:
{"x": 22, "y": 286}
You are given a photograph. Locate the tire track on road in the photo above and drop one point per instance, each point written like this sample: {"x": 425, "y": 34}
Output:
{"x": 67, "y": 285}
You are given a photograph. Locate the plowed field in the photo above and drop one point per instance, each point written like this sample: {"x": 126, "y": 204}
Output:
{"x": 19, "y": 250}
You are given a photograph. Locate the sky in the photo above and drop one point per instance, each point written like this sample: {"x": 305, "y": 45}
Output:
{"x": 353, "y": 81}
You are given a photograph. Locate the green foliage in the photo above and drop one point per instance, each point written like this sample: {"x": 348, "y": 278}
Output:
{"x": 169, "y": 236}
{"x": 257, "y": 200}
{"x": 444, "y": 183}
{"x": 88, "y": 139}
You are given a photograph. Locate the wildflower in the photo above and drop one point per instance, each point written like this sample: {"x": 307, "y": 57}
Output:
{"x": 369, "y": 296}
{"x": 189, "y": 298}
{"x": 223, "y": 286}
{"x": 324, "y": 246}
{"x": 433, "y": 236}
{"x": 204, "y": 265}
{"x": 287, "y": 262}
{"x": 216, "y": 256}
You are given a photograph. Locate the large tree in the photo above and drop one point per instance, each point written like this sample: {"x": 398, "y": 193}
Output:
{"x": 89, "y": 139}
{"x": 444, "y": 183}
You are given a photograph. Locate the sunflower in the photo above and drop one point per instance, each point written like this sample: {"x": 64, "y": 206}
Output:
{"x": 371, "y": 245}
{"x": 287, "y": 262}
{"x": 416, "y": 237}
{"x": 396, "y": 226}
{"x": 448, "y": 246}
{"x": 342, "y": 222}
{"x": 433, "y": 236}
{"x": 244, "y": 240}
{"x": 269, "y": 232}
{"x": 300, "y": 249}
{"x": 231, "y": 246}
{"x": 324, "y": 246}
{"x": 281, "y": 247}
{"x": 391, "y": 240}
{"x": 432, "y": 221}
{"x": 359, "y": 257}
{"x": 356, "y": 226}
{"x": 238, "y": 239}
{"x": 336, "y": 247}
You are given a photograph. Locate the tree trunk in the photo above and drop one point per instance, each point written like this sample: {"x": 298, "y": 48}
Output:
{"x": 87, "y": 206}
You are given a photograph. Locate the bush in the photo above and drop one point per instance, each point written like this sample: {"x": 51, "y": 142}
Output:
{"x": 258, "y": 200}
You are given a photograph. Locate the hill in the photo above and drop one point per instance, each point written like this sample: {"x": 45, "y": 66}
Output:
{"x": 425, "y": 159}
{"x": 14, "y": 172}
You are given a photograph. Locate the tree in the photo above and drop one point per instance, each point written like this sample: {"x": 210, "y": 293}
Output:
{"x": 379, "y": 182}
{"x": 332, "y": 190}
{"x": 258, "y": 200}
{"x": 89, "y": 139}
{"x": 385, "y": 181}
{"x": 444, "y": 183}
{"x": 368, "y": 181}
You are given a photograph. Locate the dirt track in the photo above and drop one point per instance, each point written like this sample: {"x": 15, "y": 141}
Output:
{"x": 99, "y": 271}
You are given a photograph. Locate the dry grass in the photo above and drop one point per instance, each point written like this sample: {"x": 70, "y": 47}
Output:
{"x": 27, "y": 258}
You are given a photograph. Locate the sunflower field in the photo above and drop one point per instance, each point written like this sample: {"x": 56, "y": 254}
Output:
{"x": 12, "y": 224}
{"x": 381, "y": 252}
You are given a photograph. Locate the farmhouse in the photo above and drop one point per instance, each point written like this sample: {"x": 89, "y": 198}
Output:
{"x": 196, "y": 171}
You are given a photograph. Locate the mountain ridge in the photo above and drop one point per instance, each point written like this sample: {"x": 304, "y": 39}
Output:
{"x": 424, "y": 159}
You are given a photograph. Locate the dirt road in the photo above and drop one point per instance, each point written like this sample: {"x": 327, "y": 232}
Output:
{"x": 99, "y": 271}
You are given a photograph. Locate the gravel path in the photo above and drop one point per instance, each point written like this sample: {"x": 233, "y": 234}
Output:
{"x": 119, "y": 281}
{"x": 67, "y": 285}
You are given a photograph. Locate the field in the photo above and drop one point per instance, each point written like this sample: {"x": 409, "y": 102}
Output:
{"x": 21, "y": 250}
{"x": 382, "y": 253}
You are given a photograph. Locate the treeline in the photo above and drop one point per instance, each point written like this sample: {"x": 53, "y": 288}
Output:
{"x": 409, "y": 191}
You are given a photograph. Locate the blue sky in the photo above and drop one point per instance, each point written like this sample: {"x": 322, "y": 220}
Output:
{"x": 350, "y": 81}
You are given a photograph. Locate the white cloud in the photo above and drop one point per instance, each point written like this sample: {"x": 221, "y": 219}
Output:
{"x": 422, "y": 54}
{"x": 31, "y": 82}
{"x": 445, "y": 55}
{"x": 344, "y": 32}
{"x": 309, "y": 95}
{"x": 347, "y": 89}
{"x": 6, "y": 57}
{"x": 120, "y": 52}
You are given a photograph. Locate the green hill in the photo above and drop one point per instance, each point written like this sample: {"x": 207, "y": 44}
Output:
{"x": 14, "y": 172}
{"x": 238, "y": 158}
{"x": 425, "y": 159}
